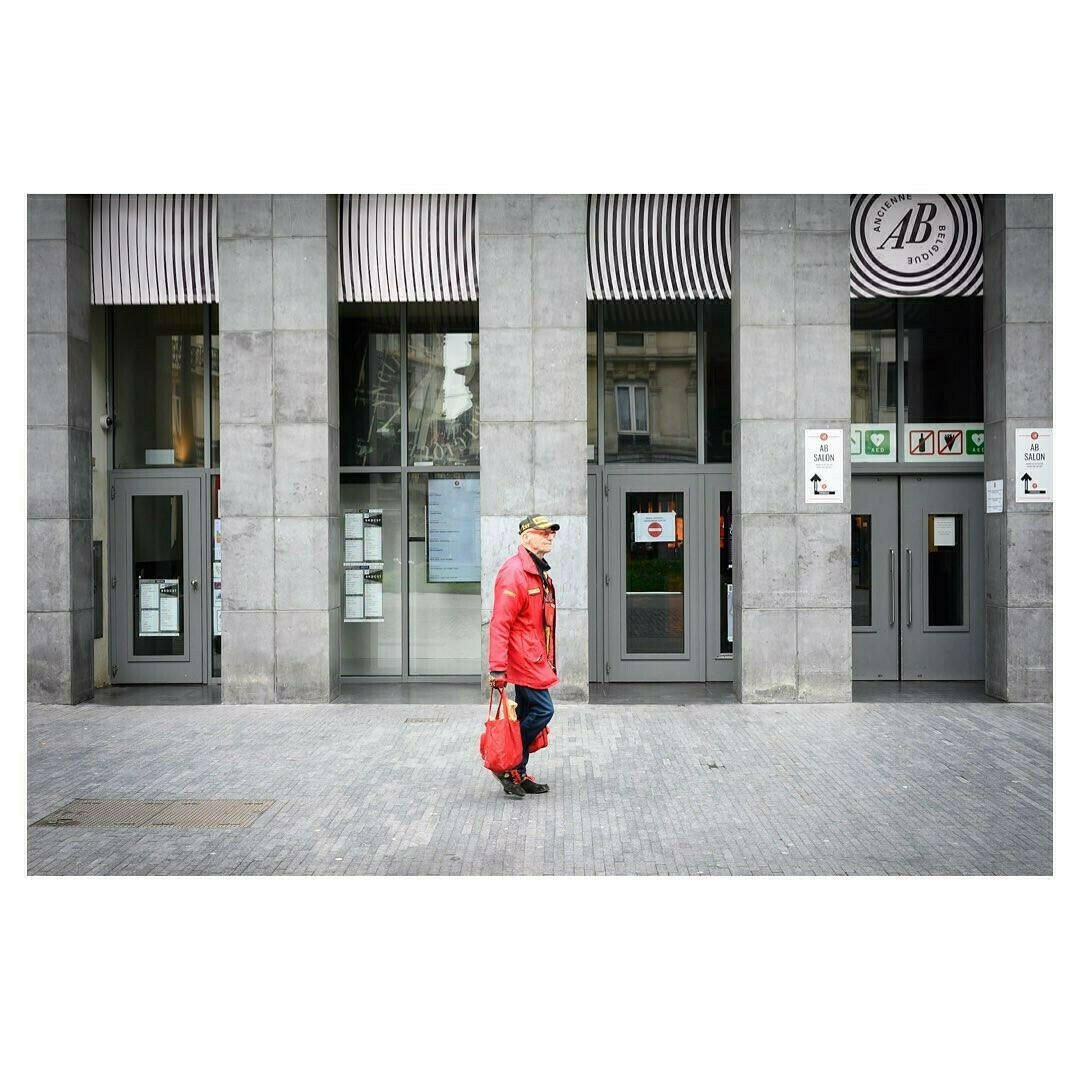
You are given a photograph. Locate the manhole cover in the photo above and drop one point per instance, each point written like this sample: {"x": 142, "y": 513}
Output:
{"x": 140, "y": 813}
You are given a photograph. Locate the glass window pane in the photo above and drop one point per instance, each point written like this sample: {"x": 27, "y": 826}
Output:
{"x": 861, "y": 570}
{"x": 873, "y": 361}
{"x": 718, "y": 381}
{"x": 945, "y": 570}
{"x": 215, "y": 577}
{"x": 655, "y": 600}
{"x": 444, "y": 384}
{"x": 444, "y": 574}
{"x": 663, "y": 360}
{"x": 590, "y": 386}
{"x": 158, "y": 380}
{"x": 943, "y": 376}
{"x": 371, "y": 574}
{"x": 157, "y": 555}
{"x": 641, "y": 408}
{"x": 215, "y": 410}
{"x": 622, "y": 398}
{"x": 370, "y": 390}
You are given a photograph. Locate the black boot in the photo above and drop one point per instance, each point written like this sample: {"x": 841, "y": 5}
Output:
{"x": 510, "y": 785}
{"x": 531, "y": 787}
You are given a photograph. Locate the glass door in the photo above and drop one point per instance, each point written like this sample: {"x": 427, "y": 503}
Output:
{"x": 654, "y": 578}
{"x": 158, "y": 554}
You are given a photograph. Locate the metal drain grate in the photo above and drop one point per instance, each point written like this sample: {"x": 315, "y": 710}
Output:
{"x": 140, "y": 813}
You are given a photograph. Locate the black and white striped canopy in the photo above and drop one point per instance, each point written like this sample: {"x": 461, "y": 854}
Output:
{"x": 153, "y": 249}
{"x": 658, "y": 247}
{"x": 396, "y": 248}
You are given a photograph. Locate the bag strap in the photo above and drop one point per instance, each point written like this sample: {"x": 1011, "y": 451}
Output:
{"x": 502, "y": 702}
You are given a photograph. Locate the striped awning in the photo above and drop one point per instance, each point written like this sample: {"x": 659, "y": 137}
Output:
{"x": 916, "y": 245}
{"x": 154, "y": 249}
{"x": 396, "y": 248}
{"x": 659, "y": 247}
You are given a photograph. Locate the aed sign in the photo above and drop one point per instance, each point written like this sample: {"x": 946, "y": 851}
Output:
{"x": 824, "y": 463}
{"x": 1034, "y": 465}
{"x": 654, "y": 528}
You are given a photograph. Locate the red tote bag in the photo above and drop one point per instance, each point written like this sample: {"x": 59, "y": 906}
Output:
{"x": 539, "y": 742}
{"x": 500, "y": 745}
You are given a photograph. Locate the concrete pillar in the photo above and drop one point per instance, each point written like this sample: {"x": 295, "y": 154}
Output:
{"x": 281, "y": 546}
{"x": 59, "y": 548}
{"x": 532, "y": 403}
{"x": 1018, "y": 350}
{"x": 790, "y": 371}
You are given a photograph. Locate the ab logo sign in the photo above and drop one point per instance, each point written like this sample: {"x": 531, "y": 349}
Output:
{"x": 916, "y": 245}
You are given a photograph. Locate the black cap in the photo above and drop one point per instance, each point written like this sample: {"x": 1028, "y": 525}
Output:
{"x": 536, "y": 521}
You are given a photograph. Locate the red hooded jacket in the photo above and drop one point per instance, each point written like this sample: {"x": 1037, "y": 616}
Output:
{"x": 522, "y": 629}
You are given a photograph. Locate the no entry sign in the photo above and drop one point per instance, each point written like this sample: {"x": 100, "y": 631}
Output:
{"x": 654, "y": 528}
{"x": 824, "y": 465}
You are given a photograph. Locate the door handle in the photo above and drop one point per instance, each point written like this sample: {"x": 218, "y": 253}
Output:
{"x": 892, "y": 586}
{"x": 908, "y": 586}
{"x": 195, "y": 584}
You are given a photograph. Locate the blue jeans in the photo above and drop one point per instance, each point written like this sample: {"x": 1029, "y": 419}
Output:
{"x": 534, "y": 710}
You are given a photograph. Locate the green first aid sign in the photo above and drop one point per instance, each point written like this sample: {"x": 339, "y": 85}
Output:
{"x": 877, "y": 441}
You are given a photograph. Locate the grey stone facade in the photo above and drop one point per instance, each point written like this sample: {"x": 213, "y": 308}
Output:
{"x": 790, "y": 371}
{"x": 1018, "y": 392}
{"x": 59, "y": 547}
{"x": 533, "y": 401}
{"x": 279, "y": 406}
{"x": 281, "y": 565}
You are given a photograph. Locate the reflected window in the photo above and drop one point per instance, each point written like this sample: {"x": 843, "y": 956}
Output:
{"x": 444, "y": 573}
{"x": 650, "y": 378}
{"x": 443, "y": 384}
{"x": 370, "y": 384}
{"x": 159, "y": 386}
{"x": 873, "y": 361}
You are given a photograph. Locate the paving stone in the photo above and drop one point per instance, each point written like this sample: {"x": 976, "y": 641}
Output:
{"x": 882, "y": 788}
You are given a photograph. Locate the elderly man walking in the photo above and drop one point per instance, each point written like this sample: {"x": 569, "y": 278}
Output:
{"x": 521, "y": 646}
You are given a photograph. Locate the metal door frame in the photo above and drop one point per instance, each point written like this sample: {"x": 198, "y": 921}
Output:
{"x": 885, "y": 555}
{"x": 192, "y": 667}
{"x": 915, "y": 500}
{"x": 689, "y": 666}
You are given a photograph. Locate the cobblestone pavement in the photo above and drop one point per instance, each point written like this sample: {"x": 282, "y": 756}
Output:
{"x": 662, "y": 789}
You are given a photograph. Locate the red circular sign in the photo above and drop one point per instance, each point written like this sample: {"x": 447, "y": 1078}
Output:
{"x": 655, "y": 528}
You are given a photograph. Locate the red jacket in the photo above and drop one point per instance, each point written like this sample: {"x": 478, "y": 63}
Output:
{"x": 522, "y": 630}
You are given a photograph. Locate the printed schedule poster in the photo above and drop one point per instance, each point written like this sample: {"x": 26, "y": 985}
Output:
{"x": 159, "y": 607}
{"x": 363, "y": 594}
{"x": 453, "y": 528}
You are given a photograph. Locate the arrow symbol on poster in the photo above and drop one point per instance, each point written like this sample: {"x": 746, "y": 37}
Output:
{"x": 1027, "y": 483}
{"x": 817, "y": 481}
